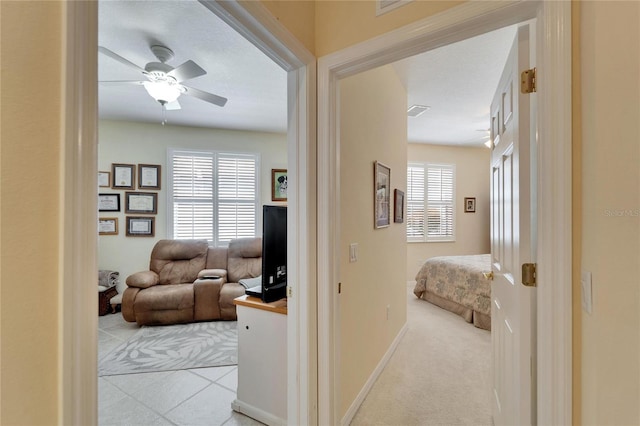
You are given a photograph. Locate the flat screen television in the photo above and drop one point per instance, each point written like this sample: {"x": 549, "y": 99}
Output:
{"x": 274, "y": 253}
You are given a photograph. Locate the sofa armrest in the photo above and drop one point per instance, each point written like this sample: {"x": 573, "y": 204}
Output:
{"x": 143, "y": 279}
{"x": 206, "y": 296}
{"x": 213, "y": 274}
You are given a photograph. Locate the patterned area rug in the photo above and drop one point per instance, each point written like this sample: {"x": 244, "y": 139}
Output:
{"x": 174, "y": 347}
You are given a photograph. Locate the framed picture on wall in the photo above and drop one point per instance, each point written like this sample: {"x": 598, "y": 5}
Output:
{"x": 279, "y": 183}
{"x": 149, "y": 176}
{"x": 470, "y": 205}
{"x": 398, "y": 206}
{"x": 108, "y": 202}
{"x": 108, "y": 226}
{"x": 104, "y": 179}
{"x": 141, "y": 202}
{"x": 140, "y": 226}
{"x": 381, "y": 195}
{"x": 123, "y": 176}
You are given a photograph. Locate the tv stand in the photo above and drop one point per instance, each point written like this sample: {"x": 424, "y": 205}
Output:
{"x": 262, "y": 360}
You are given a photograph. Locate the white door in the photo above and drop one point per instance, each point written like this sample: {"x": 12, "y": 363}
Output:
{"x": 512, "y": 216}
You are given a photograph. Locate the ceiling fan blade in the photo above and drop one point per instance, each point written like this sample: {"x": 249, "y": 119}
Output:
{"x": 120, "y": 82}
{"x": 172, "y": 106}
{"x": 205, "y": 96}
{"x": 187, "y": 71}
{"x": 119, "y": 58}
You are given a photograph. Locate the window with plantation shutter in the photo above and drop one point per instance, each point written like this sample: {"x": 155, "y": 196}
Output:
{"x": 430, "y": 202}
{"x": 213, "y": 196}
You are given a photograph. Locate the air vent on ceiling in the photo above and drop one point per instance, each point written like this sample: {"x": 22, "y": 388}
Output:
{"x": 384, "y": 6}
{"x": 416, "y": 110}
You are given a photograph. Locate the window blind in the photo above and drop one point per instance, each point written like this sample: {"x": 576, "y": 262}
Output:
{"x": 430, "y": 202}
{"x": 214, "y": 196}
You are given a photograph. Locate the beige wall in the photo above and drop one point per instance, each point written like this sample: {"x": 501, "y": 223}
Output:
{"x": 298, "y": 17}
{"x": 30, "y": 233}
{"x": 140, "y": 143}
{"x": 472, "y": 180}
{"x": 342, "y": 23}
{"x": 326, "y": 26}
{"x": 374, "y": 127}
{"x": 610, "y": 107}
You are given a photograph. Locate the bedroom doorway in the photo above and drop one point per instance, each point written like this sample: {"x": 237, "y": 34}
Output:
{"x": 554, "y": 107}
{"x": 78, "y": 328}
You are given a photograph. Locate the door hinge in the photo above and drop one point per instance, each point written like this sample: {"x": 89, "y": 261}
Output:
{"x": 529, "y": 274}
{"x": 289, "y": 292}
{"x": 339, "y": 288}
{"x": 528, "y": 81}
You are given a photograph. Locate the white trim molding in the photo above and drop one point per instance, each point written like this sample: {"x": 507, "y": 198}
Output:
{"x": 554, "y": 355}
{"x": 77, "y": 396}
{"x": 353, "y": 408}
{"x": 554, "y": 403}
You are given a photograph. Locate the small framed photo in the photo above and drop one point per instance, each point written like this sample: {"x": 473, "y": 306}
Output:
{"x": 279, "y": 183}
{"x": 470, "y": 205}
{"x": 108, "y": 226}
{"x": 149, "y": 176}
{"x": 382, "y": 195}
{"x": 123, "y": 176}
{"x": 141, "y": 202}
{"x": 108, "y": 202}
{"x": 140, "y": 226}
{"x": 104, "y": 179}
{"x": 398, "y": 206}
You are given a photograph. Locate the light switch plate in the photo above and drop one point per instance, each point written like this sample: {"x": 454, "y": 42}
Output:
{"x": 353, "y": 252}
{"x": 587, "y": 291}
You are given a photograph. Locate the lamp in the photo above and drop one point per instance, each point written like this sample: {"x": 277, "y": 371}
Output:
{"x": 164, "y": 92}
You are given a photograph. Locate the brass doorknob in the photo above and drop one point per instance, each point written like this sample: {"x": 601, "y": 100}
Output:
{"x": 488, "y": 275}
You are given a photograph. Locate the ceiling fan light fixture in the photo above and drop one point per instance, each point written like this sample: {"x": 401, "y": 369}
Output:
{"x": 162, "y": 91}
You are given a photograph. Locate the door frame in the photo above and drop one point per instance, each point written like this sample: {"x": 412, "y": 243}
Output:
{"x": 553, "y": 59}
{"x": 77, "y": 398}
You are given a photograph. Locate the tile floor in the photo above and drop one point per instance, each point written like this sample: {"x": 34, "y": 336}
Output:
{"x": 199, "y": 396}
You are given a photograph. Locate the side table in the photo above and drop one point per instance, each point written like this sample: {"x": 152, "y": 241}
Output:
{"x": 104, "y": 297}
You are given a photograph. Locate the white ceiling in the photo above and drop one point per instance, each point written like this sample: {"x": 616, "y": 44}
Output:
{"x": 456, "y": 81}
{"x": 255, "y": 86}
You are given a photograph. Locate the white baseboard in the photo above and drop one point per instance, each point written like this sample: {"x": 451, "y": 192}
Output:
{"x": 257, "y": 413}
{"x": 351, "y": 412}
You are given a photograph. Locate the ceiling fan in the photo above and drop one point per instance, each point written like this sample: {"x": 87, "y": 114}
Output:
{"x": 164, "y": 82}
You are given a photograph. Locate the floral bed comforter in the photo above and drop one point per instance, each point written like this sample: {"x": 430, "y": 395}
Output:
{"x": 458, "y": 279}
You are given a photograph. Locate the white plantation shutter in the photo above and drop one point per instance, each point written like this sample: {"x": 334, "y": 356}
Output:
{"x": 440, "y": 202}
{"x": 431, "y": 202}
{"x": 213, "y": 195}
{"x": 415, "y": 203}
{"x": 237, "y": 190}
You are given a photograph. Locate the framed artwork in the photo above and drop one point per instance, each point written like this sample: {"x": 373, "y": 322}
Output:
{"x": 149, "y": 176}
{"x": 104, "y": 179}
{"x": 382, "y": 195}
{"x": 279, "y": 183}
{"x": 140, "y": 226}
{"x": 108, "y": 226}
{"x": 141, "y": 202}
{"x": 123, "y": 176}
{"x": 108, "y": 202}
{"x": 469, "y": 204}
{"x": 398, "y": 206}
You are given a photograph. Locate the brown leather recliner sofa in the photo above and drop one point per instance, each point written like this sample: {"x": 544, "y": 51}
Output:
{"x": 189, "y": 281}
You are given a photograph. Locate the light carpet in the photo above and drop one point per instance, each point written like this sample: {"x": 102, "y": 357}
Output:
{"x": 440, "y": 373}
{"x": 174, "y": 347}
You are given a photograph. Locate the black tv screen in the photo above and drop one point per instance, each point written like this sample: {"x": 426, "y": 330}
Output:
{"x": 274, "y": 253}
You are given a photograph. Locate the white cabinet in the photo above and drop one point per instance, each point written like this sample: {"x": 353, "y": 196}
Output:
{"x": 262, "y": 360}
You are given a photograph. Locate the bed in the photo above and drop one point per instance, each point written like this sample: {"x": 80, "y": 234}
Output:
{"x": 456, "y": 283}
